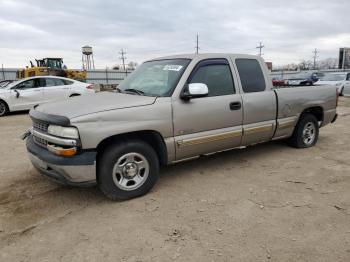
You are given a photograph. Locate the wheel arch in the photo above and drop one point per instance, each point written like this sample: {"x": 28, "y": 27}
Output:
{"x": 151, "y": 137}
{"x": 317, "y": 111}
{"x": 6, "y": 103}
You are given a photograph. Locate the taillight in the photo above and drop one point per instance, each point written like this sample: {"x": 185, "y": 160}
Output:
{"x": 90, "y": 87}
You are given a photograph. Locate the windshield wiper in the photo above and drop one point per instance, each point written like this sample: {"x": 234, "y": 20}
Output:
{"x": 136, "y": 91}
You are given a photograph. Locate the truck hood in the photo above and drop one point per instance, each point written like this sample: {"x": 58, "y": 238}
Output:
{"x": 93, "y": 103}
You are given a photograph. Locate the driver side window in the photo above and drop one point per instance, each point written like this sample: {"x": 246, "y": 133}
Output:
{"x": 26, "y": 84}
{"x": 32, "y": 83}
{"x": 216, "y": 74}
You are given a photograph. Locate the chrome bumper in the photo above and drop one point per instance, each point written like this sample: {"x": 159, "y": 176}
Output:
{"x": 79, "y": 170}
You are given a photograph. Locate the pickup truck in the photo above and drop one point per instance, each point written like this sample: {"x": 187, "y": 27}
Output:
{"x": 168, "y": 110}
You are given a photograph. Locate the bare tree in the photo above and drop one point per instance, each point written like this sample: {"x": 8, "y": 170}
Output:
{"x": 132, "y": 65}
{"x": 328, "y": 63}
{"x": 305, "y": 64}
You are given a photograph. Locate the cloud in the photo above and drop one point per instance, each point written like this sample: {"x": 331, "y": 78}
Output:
{"x": 145, "y": 29}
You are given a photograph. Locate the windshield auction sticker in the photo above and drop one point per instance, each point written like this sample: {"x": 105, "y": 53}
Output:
{"x": 172, "y": 67}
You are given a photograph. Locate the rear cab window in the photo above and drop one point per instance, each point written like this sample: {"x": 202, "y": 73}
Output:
{"x": 251, "y": 75}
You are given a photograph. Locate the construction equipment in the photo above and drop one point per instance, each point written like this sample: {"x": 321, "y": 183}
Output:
{"x": 50, "y": 66}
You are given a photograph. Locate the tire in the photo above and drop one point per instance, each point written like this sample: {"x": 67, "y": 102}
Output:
{"x": 127, "y": 169}
{"x": 4, "y": 109}
{"x": 306, "y": 132}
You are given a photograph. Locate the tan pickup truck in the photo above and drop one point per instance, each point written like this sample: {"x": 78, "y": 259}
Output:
{"x": 168, "y": 110}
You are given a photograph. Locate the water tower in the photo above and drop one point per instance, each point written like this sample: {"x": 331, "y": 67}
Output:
{"x": 87, "y": 58}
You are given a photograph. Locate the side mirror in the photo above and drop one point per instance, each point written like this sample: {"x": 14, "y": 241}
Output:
{"x": 195, "y": 90}
{"x": 17, "y": 93}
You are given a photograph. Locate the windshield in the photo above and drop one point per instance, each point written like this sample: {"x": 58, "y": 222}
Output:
{"x": 3, "y": 84}
{"x": 333, "y": 77}
{"x": 11, "y": 84}
{"x": 155, "y": 78}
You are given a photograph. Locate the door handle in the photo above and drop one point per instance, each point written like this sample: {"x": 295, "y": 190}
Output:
{"x": 235, "y": 105}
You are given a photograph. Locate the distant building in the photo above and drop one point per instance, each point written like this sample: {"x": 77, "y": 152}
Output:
{"x": 344, "y": 58}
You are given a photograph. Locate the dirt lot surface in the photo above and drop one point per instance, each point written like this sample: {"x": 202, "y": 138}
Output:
{"x": 265, "y": 203}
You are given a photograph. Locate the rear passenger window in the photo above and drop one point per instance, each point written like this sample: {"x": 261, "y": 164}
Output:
{"x": 216, "y": 75}
{"x": 67, "y": 82}
{"x": 54, "y": 82}
{"x": 251, "y": 75}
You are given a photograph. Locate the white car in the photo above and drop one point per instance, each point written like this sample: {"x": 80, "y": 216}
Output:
{"x": 340, "y": 79}
{"x": 27, "y": 93}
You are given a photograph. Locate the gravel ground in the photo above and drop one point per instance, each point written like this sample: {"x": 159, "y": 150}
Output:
{"x": 268, "y": 202}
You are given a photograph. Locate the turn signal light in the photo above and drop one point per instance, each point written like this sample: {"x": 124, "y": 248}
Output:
{"x": 60, "y": 151}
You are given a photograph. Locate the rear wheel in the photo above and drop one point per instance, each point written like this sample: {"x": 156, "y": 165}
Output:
{"x": 127, "y": 170}
{"x": 3, "y": 108}
{"x": 306, "y": 132}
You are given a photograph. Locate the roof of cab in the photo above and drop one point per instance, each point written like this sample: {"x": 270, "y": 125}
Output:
{"x": 204, "y": 56}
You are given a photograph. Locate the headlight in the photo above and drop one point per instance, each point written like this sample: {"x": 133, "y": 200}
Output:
{"x": 68, "y": 132}
{"x": 338, "y": 84}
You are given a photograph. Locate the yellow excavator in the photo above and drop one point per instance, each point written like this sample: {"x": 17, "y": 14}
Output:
{"x": 50, "y": 66}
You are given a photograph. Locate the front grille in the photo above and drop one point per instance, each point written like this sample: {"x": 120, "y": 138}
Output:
{"x": 39, "y": 141}
{"x": 40, "y": 126}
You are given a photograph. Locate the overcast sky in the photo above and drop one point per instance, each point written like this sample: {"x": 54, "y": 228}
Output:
{"x": 146, "y": 29}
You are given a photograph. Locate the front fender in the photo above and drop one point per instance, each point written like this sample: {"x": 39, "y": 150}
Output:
{"x": 96, "y": 127}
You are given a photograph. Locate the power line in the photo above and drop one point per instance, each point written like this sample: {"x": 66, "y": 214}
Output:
{"x": 197, "y": 47}
{"x": 260, "y": 47}
{"x": 315, "y": 52}
{"x": 123, "y": 58}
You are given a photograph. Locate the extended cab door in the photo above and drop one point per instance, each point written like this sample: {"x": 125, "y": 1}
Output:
{"x": 259, "y": 101}
{"x": 55, "y": 89}
{"x": 212, "y": 123}
{"x": 26, "y": 94}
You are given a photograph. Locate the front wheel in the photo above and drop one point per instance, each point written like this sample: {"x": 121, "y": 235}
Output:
{"x": 3, "y": 108}
{"x": 306, "y": 132}
{"x": 127, "y": 170}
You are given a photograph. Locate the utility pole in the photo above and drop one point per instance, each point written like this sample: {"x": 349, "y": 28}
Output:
{"x": 260, "y": 47}
{"x": 123, "y": 58}
{"x": 315, "y": 52}
{"x": 197, "y": 47}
